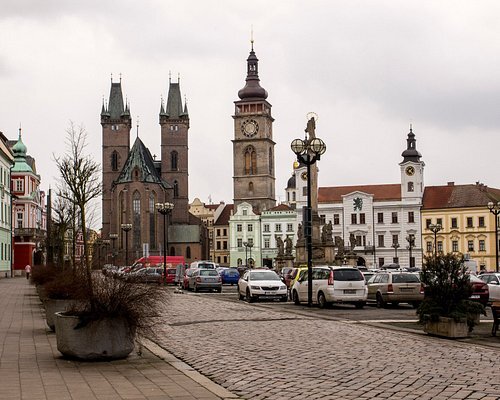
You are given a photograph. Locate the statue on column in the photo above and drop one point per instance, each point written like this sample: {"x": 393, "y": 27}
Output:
{"x": 288, "y": 246}
{"x": 280, "y": 245}
{"x": 327, "y": 232}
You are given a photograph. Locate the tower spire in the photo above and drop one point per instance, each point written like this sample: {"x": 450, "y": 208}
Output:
{"x": 252, "y": 89}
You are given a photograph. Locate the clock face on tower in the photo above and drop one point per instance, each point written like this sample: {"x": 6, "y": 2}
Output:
{"x": 410, "y": 170}
{"x": 249, "y": 127}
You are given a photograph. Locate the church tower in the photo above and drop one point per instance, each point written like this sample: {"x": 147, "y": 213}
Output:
{"x": 116, "y": 124}
{"x": 174, "y": 122}
{"x": 253, "y": 145}
{"x": 412, "y": 172}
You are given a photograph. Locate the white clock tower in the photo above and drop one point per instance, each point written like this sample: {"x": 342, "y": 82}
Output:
{"x": 412, "y": 172}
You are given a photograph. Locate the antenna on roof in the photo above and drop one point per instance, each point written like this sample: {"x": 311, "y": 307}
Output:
{"x": 137, "y": 126}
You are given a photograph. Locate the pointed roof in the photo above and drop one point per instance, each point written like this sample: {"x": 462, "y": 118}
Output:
{"x": 140, "y": 160}
{"x": 459, "y": 196}
{"x": 380, "y": 192}
{"x": 225, "y": 215}
{"x": 252, "y": 89}
{"x": 116, "y": 108}
{"x": 411, "y": 153}
{"x": 174, "y": 102}
{"x": 19, "y": 151}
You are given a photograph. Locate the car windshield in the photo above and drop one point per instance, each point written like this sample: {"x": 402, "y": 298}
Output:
{"x": 405, "y": 278}
{"x": 205, "y": 265}
{"x": 231, "y": 272}
{"x": 264, "y": 276}
{"x": 171, "y": 271}
{"x": 347, "y": 275}
{"x": 208, "y": 272}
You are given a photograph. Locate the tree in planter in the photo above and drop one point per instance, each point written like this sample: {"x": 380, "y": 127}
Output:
{"x": 447, "y": 290}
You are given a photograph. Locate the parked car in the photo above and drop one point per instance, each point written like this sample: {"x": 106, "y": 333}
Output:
{"x": 148, "y": 275}
{"x": 395, "y": 287}
{"x": 171, "y": 274}
{"x": 480, "y": 290}
{"x": 294, "y": 277}
{"x": 367, "y": 275}
{"x": 493, "y": 281}
{"x": 204, "y": 264}
{"x": 229, "y": 276}
{"x": 187, "y": 274}
{"x": 285, "y": 275}
{"x": 257, "y": 284}
{"x": 332, "y": 285}
{"x": 205, "y": 279}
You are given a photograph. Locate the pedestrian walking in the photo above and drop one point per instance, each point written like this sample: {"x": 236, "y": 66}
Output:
{"x": 27, "y": 269}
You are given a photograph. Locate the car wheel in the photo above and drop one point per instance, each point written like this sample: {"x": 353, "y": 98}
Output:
{"x": 195, "y": 288}
{"x": 219, "y": 290}
{"x": 360, "y": 304}
{"x": 284, "y": 298}
{"x": 295, "y": 297}
{"x": 322, "y": 300}
{"x": 395, "y": 303}
{"x": 380, "y": 301}
{"x": 249, "y": 298}
{"x": 415, "y": 304}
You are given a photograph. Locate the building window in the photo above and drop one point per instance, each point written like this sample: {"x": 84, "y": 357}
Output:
{"x": 250, "y": 161}
{"x": 245, "y": 212}
{"x": 267, "y": 243}
{"x": 354, "y": 219}
{"x": 454, "y": 223}
{"x": 176, "y": 189}
{"x": 440, "y": 246}
{"x": 381, "y": 261}
{"x": 218, "y": 232}
{"x": 19, "y": 185}
{"x": 481, "y": 222}
{"x": 250, "y": 228}
{"x": 173, "y": 160}
{"x": 454, "y": 246}
{"x": 188, "y": 252}
{"x": 394, "y": 217}
{"x": 428, "y": 223}
{"x": 239, "y": 227}
{"x": 482, "y": 246}
{"x": 439, "y": 221}
{"x": 380, "y": 218}
{"x": 395, "y": 239}
{"x": 362, "y": 218}
{"x": 250, "y": 241}
{"x": 411, "y": 217}
{"x": 239, "y": 242}
{"x": 114, "y": 161}
{"x": 277, "y": 228}
{"x": 469, "y": 222}
{"x": 266, "y": 228}
{"x": 289, "y": 227}
{"x": 336, "y": 219}
{"x": 293, "y": 196}
{"x": 429, "y": 247}
{"x": 224, "y": 232}
{"x": 218, "y": 245}
{"x": 304, "y": 191}
{"x": 410, "y": 186}
{"x": 381, "y": 241}
{"x": 470, "y": 245}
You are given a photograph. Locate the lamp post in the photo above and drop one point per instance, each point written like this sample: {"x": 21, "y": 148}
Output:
{"x": 250, "y": 245}
{"x": 126, "y": 228}
{"x": 308, "y": 151}
{"x": 411, "y": 243}
{"x": 246, "y": 253}
{"x": 395, "y": 245}
{"x": 495, "y": 210}
{"x": 435, "y": 228}
{"x": 113, "y": 237}
{"x": 164, "y": 209}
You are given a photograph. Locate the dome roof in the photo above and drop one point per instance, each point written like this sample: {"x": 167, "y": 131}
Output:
{"x": 252, "y": 89}
{"x": 291, "y": 183}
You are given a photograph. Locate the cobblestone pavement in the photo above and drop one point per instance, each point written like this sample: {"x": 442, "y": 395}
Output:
{"x": 259, "y": 353}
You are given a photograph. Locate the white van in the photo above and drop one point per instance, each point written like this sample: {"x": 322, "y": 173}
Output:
{"x": 204, "y": 264}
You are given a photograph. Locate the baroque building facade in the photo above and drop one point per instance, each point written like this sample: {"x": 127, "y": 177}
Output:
{"x": 134, "y": 182}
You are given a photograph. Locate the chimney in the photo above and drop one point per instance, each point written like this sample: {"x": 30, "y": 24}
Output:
{"x": 451, "y": 183}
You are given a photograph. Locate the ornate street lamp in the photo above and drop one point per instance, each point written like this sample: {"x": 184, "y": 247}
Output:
{"x": 250, "y": 245}
{"x": 411, "y": 243}
{"x": 126, "y": 228}
{"x": 435, "y": 228}
{"x": 395, "y": 245}
{"x": 495, "y": 210}
{"x": 308, "y": 151}
{"x": 165, "y": 209}
{"x": 113, "y": 237}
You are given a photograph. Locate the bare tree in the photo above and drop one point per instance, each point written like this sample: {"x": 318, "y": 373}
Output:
{"x": 80, "y": 174}
{"x": 63, "y": 215}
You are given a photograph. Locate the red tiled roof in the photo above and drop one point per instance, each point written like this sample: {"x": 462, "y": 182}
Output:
{"x": 458, "y": 196}
{"x": 380, "y": 192}
{"x": 225, "y": 215}
{"x": 281, "y": 207}
{"x": 212, "y": 206}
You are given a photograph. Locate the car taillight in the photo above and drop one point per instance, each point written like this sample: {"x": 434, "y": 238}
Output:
{"x": 330, "y": 278}
{"x": 198, "y": 279}
{"x": 220, "y": 279}
{"x": 389, "y": 288}
{"x": 422, "y": 289}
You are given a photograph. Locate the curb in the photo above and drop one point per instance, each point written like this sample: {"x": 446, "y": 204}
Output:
{"x": 187, "y": 370}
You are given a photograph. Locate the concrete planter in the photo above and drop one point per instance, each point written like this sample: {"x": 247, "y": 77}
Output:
{"x": 52, "y": 306}
{"x": 106, "y": 339}
{"x": 447, "y": 327}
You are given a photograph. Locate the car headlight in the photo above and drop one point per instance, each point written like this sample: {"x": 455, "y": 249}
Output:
{"x": 255, "y": 287}
{"x": 283, "y": 287}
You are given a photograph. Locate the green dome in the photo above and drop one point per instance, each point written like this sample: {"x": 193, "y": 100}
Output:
{"x": 19, "y": 150}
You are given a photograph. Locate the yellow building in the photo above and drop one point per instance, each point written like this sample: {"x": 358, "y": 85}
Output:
{"x": 467, "y": 225}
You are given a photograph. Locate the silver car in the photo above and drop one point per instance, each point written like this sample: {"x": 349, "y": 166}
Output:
{"x": 205, "y": 279}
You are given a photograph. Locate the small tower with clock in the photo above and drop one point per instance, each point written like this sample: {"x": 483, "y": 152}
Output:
{"x": 412, "y": 171}
{"x": 253, "y": 145}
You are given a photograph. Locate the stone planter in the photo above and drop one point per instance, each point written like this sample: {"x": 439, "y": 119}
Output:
{"x": 51, "y": 307}
{"x": 106, "y": 339}
{"x": 447, "y": 327}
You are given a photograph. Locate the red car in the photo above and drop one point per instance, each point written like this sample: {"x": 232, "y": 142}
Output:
{"x": 170, "y": 278}
{"x": 480, "y": 291}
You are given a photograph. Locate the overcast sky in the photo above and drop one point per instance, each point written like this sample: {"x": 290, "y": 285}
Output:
{"x": 367, "y": 68}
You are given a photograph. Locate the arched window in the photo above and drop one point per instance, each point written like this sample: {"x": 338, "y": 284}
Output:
{"x": 188, "y": 252}
{"x": 114, "y": 160}
{"x": 136, "y": 174}
{"x": 250, "y": 161}
{"x": 152, "y": 221}
{"x": 410, "y": 186}
{"x": 173, "y": 160}
{"x": 136, "y": 216}
{"x": 176, "y": 189}
{"x": 270, "y": 160}
{"x": 172, "y": 251}
{"x": 250, "y": 186}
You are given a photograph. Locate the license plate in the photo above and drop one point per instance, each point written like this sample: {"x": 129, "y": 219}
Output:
{"x": 475, "y": 296}
{"x": 349, "y": 291}
{"x": 269, "y": 293}
{"x": 406, "y": 289}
